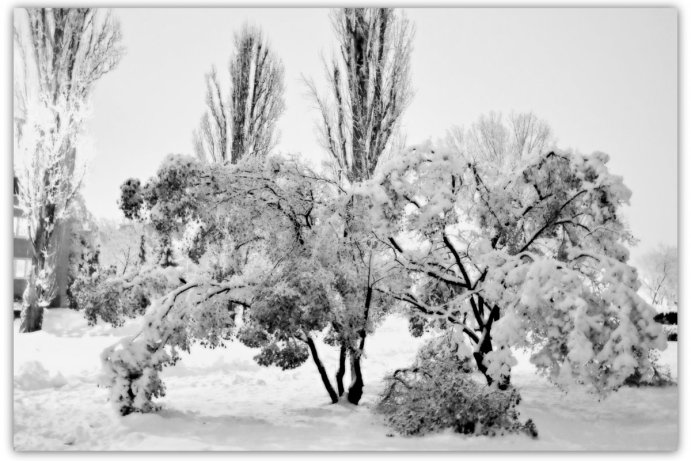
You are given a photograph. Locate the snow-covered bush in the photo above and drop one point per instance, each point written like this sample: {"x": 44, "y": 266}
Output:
{"x": 659, "y": 374}
{"x": 439, "y": 391}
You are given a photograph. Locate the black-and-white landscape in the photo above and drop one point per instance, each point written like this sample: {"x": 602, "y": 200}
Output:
{"x": 345, "y": 229}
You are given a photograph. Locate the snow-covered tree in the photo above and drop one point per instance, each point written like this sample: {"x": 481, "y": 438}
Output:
{"x": 274, "y": 230}
{"x": 46, "y": 191}
{"x": 122, "y": 245}
{"x": 243, "y": 122}
{"x": 660, "y": 275}
{"x": 527, "y": 252}
{"x": 61, "y": 53}
{"x": 244, "y": 225}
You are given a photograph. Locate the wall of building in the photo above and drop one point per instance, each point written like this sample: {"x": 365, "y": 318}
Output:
{"x": 22, "y": 250}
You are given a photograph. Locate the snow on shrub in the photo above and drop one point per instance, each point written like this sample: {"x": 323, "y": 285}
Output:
{"x": 440, "y": 392}
{"x": 659, "y": 374}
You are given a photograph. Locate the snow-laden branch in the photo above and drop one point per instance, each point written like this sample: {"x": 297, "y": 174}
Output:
{"x": 172, "y": 323}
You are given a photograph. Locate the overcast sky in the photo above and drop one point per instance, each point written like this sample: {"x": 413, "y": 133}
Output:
{"x": 604, "y": 79}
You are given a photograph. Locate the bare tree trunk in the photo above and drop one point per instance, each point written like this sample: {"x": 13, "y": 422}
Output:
{"x": 479, "y": 357}
{"x": 322, "y": 370}
{"x": 341, "y": 369}
{"x": 356, "y": 386}
{"x": 485, "y": 348}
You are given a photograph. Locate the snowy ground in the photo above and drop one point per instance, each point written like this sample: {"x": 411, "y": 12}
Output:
{"x": 222, "y": 400}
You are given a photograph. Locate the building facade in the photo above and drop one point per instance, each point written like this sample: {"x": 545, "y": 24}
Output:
{"x": 21, "y": 261}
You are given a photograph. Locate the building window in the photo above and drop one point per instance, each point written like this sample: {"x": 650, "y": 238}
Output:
{"x": 22, "y": 268}
{"x": 21, "y": 227}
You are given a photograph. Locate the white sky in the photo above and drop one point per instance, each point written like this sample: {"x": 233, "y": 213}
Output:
{"x": 604, "y": 79}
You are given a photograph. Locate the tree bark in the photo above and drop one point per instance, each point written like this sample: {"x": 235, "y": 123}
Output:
{"x": 35, "y": 295}
{"x": 322, "y": 370}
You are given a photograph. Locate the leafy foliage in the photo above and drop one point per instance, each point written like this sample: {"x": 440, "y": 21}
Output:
{"x": 104, "y": 295}
{"x": 287, "y": 308}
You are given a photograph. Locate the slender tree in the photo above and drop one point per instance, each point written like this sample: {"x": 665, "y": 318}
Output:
{"x": 368, "y": 90}
{"x": 369, "y": 87}
{"x": 61, "y": 53}
{"x": 243, "y": 122}
{"x": 501, "y": 140}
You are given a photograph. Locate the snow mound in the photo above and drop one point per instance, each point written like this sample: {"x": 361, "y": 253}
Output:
{"x": 33, "y": 376}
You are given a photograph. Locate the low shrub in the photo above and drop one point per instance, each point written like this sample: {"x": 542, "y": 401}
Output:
{"x": 440, "y": 391}
{"x": 660, "y": 375}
